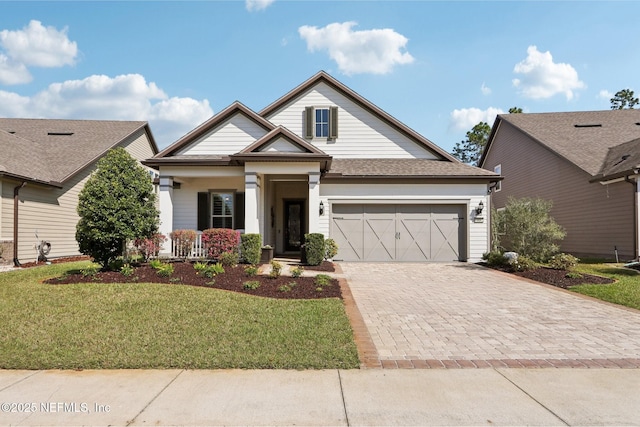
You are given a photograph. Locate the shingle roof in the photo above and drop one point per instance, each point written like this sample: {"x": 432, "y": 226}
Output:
{"x": 404, "y": 168}
{"x": 584, "y": 137}
{"x": 52, "y": 151}
{"x": 621, "y": 160}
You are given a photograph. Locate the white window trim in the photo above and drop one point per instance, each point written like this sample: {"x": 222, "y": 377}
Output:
{"x": 212, "y": 193}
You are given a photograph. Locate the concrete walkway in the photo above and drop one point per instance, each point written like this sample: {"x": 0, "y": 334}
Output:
{"x": 330, "y": 398}
{"x": 465, "y": 315}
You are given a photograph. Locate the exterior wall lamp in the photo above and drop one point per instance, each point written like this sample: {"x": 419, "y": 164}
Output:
{"x": 480, "y": 208}
{"x": 321, "y": 211}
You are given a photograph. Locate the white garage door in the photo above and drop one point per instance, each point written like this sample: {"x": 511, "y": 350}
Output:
{"x": 398, "y": 232}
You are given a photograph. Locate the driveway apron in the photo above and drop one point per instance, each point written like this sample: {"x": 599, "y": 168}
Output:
{"x": 465, "y": 315}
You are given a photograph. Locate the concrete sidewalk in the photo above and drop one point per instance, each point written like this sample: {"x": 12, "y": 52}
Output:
{"x": 330, "y": 397}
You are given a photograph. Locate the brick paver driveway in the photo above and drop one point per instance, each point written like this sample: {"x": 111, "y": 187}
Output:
{"x": 467, "y": 315}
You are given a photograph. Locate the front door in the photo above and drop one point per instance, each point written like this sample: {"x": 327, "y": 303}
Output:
{"x": 293, "y": 224}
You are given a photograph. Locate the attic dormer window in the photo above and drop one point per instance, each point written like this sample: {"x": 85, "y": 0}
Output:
{"x": 321, "y": 122}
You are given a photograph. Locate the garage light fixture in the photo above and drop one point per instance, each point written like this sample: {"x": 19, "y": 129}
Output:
{"x": 321, "y": 208}
{"x": 480, "y": 208}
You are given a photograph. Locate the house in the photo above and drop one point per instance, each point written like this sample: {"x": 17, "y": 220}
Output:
{"x": 586, "y": 163}
{"x": 323, "y": 159}
{"x": 44, "y": 165}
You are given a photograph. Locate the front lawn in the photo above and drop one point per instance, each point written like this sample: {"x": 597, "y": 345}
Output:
{"x": 147, "y": 325}
{"x": 625, "y": 291}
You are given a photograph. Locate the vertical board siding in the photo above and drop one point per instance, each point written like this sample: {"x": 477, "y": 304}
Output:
{"x": 360, "y": 133}
{"x": 596, "y": 217}
{"x": 476, "y": 236}
{"x": 230, "y": 137}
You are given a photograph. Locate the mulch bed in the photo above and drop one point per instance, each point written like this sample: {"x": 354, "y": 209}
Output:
{"x": 558, "y": 278}
{"x": 326, "y": 266}
{"x": 231, "y": 280}
{"x": 55, "y": 261}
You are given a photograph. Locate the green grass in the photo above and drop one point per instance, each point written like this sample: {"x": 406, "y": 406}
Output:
{"x": 145, "y": 325}
{"x": 625, "y": 291}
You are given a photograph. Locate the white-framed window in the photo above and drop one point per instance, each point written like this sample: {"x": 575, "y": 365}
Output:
{"x": 498, "y": 169}
{"x": 321, "y": 122}
{"x": 222, "y": 210}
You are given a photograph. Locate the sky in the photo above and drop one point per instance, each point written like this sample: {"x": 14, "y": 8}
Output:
{"x": 439, "y": 67}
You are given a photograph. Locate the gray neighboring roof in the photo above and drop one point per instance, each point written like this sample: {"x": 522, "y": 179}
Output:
{"x": 406, "y": 168}
{"x": 583, "y": 137}
{"x": 622, "y": 160}
{"x": 52, "y": 151}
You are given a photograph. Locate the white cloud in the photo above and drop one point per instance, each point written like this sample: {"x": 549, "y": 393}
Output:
{"x": 605, "y": 94}
{"x": 485, "y": 90}
{"x": 33, "y": 46}
{"x": 252, "y": 5}
{"x": 125, "y": 97}
{"x": 370, "y": 51}
{"x": 542, "y": 78}
{"x": 467, "y": 118}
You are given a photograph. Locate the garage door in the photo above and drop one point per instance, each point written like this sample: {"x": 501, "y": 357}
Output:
{"x": 398, "y": 232}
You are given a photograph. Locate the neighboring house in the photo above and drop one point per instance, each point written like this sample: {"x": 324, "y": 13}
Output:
{"x": 322, "y": 159}
{"x": 585, "y": 162}
{"x": 44, "y": 165}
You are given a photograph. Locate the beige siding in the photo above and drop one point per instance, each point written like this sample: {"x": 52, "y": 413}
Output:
{"x": 52, "y": 212}
{"x": 597, "y": 218}
{"x": 229, "y": 138}
{"x": 360, "y": 133}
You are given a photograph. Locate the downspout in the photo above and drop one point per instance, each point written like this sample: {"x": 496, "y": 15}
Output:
{"x": 636, "y": 238}
{"x": 16, "y": 190}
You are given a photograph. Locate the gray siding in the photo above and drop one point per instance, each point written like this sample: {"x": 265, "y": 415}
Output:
{"x": 597, "y": 218}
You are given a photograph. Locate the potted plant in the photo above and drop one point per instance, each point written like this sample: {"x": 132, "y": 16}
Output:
{"x": 267, "y": 254}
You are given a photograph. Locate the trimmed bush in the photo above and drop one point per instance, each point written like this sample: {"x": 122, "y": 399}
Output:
{"x": 250, "y": 248}
{"x": 330, "y": 249}
{"x": 229, "y": 259}
{"x": 150, "y": 247}
{"x": 276, "y": 269}
{"x": 525, "y": 264}
{"x": 183, "y": 241}
{"x": 314, "y": 248}
{"x": 495, "y": 258}
{"x": 563, "y": 262}
{"x": 217, "y": 241}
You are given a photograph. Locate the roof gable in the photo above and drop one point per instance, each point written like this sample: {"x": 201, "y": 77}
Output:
{"x": 58, "y": 149}
{"x": 184, "y": 144}
{"x": 582, "y": 138}
{"x": 322, "y": 79}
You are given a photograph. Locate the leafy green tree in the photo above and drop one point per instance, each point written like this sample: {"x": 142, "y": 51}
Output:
{"x": 515, "y": 110}
{"x": 116, "y": 205}
{"x": 526, "y": 227}
{"x": 470, "y": 150}
{"x": 624, "y": 99}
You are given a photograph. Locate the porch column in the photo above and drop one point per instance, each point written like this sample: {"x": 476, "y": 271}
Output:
{"x": 166, "y": 211}
{"x": 314, "y": 202}
{"x": 251, "y": 202}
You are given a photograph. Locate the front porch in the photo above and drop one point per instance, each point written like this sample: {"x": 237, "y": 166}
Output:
{"x": 278, "y": 200}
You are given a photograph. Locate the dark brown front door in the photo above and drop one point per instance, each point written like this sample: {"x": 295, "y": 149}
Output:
{"x": 293, "y": 224}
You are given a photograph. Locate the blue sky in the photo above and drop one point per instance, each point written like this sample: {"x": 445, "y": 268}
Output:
{"x": 439, "y": 67}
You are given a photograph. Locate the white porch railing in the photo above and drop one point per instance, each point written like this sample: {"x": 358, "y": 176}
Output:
{"x": 180, "y": 250}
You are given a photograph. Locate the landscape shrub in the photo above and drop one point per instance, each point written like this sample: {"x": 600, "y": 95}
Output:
{"x": 322, "y": 280}
{"x": 250, "y": 248}
{"x": 251, "y": 270}
{"x": 526, "y": 227}
{"x": 276, "y": 269}
{"x": 525, "y": 264}
{"x": 252, "y": 284}
{"x": 495, "y": 259}
{"x": 217, "y": 241}
{"x": 150, "y": 247}
{"x": 314, "y": 248}
{"x": 297, "y": 271}
{"x": 229, "y": 259}
{"x": 330, "y": 248}
{"x": 183, "y": 241}
{"x": 116, "y": 206}
{"x": 563, "y": 261}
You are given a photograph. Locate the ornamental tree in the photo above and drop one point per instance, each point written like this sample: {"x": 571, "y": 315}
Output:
{"x": 116, "y": 205}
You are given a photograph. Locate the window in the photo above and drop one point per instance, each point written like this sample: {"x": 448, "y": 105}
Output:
{"x": 220, "y": 209}
{"x": 498, "y": 169}
{"x": 321, "y": 122}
